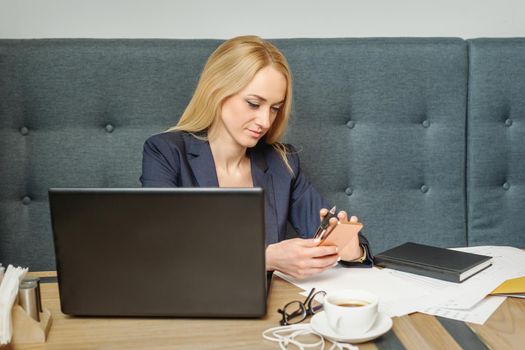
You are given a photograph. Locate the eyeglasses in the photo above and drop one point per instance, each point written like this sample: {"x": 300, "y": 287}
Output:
{"x": 297, "y": 311}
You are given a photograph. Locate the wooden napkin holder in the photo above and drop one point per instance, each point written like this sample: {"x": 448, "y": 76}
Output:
{"x": 26, "y": 330}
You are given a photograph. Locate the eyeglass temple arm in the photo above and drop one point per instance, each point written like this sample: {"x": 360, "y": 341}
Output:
{"x": 309, "y": 296}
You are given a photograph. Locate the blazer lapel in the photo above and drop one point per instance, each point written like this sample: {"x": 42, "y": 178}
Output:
{"x": 201, "y": 162}
{"x": 262, "y": 178}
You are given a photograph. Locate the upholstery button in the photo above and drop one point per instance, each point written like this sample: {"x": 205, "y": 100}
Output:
{"x": 109, "y": 128}
{"x": 26, "y": 200}
{"x": 350, "y": 124}
{"x": 24, "y": 131}
{"x": 506, "y": 186}
{"x": 425, "y": 123}
{"x": 349, "y": 191}
{"x": 508, "y": 122}
{"x": 424, "y": 188}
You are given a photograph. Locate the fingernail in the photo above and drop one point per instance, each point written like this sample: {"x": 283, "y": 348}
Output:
{"x": 338, "y": 259}
{"x": 317, "y": 240}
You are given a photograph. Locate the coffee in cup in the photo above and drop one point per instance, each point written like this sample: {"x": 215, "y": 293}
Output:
{"x": 351, "y": 312}
{"x": 352, "y": 303}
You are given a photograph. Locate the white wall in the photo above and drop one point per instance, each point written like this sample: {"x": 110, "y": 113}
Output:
{"x": 269, "y": 18}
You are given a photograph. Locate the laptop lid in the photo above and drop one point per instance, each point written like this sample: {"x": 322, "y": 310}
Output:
{"x": 195, "y": 252}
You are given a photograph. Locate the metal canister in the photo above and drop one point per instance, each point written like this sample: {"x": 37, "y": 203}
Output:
{"x": 38, "y": 294}
{"x": 27, "y": 298}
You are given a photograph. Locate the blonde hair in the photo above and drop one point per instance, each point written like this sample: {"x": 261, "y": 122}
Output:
{"x": 228, "y": 70}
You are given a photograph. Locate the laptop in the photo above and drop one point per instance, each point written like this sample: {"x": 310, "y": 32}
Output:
{"x": 184, "y": 252}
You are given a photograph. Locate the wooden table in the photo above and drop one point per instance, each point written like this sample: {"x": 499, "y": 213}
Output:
{"x": 504, "y": 330}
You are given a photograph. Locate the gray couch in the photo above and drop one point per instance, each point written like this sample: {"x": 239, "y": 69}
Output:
{"x": 422, "y": 138}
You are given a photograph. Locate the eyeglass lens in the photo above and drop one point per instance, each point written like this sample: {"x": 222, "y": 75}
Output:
{"x": 296, "y": 311}
{"x": 315, "y": 304}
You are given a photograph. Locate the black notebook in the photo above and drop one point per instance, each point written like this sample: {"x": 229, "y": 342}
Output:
{"x": 435, "y": 262}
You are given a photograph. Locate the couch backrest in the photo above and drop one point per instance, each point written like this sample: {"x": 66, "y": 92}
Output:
{"x": 496, "y": 142}
{"x": 381, "y": 124}
{"x": 75, "y": 113}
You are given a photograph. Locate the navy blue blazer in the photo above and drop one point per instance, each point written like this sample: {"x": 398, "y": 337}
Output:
{"x": 178, "y": 159}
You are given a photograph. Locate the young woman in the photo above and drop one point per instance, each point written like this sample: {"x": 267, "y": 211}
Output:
{"x": 229, "y": 136}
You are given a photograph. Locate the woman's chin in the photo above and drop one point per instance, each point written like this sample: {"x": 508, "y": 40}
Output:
{"x": 249, "y": 142}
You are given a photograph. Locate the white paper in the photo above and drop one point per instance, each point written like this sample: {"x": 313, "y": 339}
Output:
{"x": 402, "y": 293}
{"x": 507, "y": 262}
{"x": 397, "y": 297}
{"x": 478, "y": 314}
{"x": 8, "y": 293}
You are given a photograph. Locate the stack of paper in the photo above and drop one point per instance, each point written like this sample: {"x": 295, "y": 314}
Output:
{"x": 403, "y": 293}
{"x": 8, "y": 293}
{"x": 397, "y": 296}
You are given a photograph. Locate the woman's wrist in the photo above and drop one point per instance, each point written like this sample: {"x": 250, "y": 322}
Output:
{"x": 269, "y": 257}
{"x": 362, "y": 256}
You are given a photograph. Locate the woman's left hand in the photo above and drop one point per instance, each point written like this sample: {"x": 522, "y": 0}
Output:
{"x": 353, "y": 249}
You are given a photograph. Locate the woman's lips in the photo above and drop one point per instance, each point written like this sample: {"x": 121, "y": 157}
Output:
{"x": 256, "y": 134}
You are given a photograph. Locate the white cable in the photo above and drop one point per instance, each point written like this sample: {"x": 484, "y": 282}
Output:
{"x": 285, "y": 336}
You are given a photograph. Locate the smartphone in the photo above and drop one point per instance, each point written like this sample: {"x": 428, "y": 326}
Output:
{"x": 341, "y": 234}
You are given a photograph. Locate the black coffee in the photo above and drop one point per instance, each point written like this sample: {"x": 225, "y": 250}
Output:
{"x": 352, "y": 303}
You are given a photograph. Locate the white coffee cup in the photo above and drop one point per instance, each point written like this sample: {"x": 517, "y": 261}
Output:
{"x": 351, "y": 311}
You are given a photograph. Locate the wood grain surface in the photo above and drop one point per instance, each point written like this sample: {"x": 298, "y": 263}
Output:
{"x": 504, "y": 330}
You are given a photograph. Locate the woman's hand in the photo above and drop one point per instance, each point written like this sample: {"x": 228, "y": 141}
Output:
{"x": 353, "y": 249}
{"x": 300, "y": 257}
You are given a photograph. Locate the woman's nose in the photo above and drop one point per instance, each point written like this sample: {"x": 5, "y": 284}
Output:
{"x": 263, "y": 118}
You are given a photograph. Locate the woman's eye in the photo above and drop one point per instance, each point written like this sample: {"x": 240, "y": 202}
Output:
{"x": 276, "y": 109}
{"x": 253, "y": 105}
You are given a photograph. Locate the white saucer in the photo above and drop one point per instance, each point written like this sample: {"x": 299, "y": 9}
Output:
{"x": 320, "y": 325}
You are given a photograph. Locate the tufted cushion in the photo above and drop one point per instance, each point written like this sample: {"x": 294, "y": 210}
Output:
{"x": 496, "y": 142}
{"x": 75, "y": 113}
{"x": 381, "y": 125}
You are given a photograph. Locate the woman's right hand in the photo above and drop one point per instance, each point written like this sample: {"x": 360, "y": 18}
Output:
{"x": 299, "y": 258}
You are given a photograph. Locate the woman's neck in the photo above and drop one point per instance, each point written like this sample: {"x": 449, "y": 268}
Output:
{"x": 227, "y": 156}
